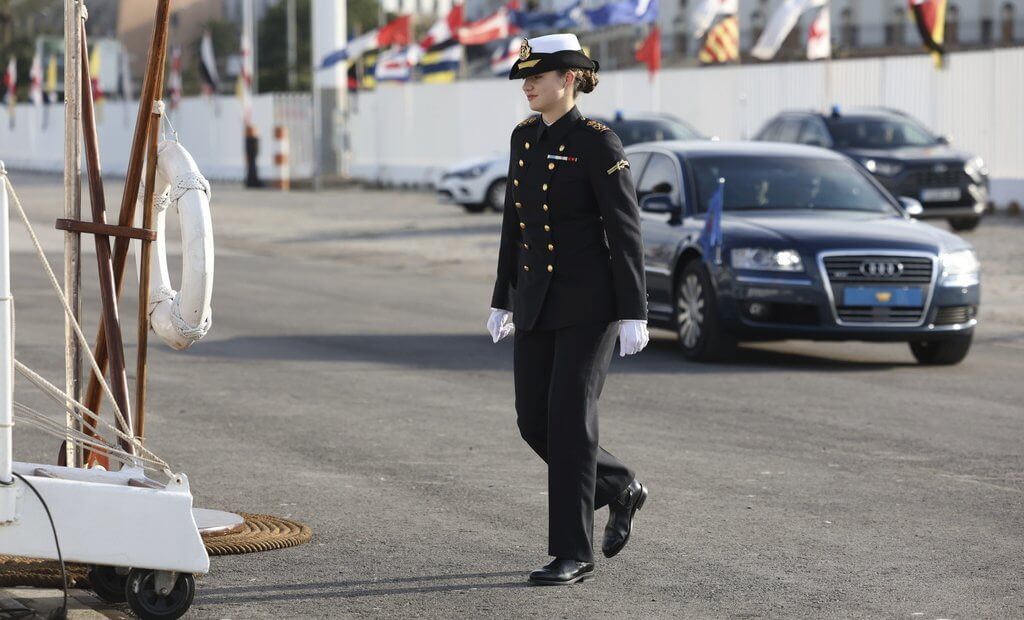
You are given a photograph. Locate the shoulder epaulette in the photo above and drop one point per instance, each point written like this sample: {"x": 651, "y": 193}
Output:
{"x": 598, "y": 126}
{"x": 529, "y": 121}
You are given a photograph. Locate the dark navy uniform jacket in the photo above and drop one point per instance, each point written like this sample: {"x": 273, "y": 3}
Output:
{"x": 571, "y": 250}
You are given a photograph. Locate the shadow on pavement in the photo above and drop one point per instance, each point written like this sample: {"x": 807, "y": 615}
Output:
{"x": 423, "y": 584}
{"x": 477, "y": 352}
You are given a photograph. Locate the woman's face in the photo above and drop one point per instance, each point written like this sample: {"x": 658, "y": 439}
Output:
{"x": 544, "y": 89}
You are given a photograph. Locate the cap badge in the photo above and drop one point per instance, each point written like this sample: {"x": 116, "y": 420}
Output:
{"x": 525, "y": 50}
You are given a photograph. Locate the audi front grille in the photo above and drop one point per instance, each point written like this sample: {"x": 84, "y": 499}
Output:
{"x": 899, "y": 269}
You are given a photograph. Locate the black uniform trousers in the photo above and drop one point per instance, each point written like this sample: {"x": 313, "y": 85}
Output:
{"x": 559, "y": 375}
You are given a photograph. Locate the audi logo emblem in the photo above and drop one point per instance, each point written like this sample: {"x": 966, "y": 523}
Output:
{"x": 881, "y": 268}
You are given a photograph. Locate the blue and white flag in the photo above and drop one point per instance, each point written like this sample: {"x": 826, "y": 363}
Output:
{"x": 623, "y": 12}
{"x": 537, "y": 21}
{"x": 711, "y": 237}
{"x": 393, "y": 65}
{"x": 505, "y": 56}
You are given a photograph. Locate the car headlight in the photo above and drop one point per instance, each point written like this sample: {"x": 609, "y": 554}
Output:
{"x": 884, "y": 168}
{"x": 469, "y": 173}
{"x": 975, "y": 167}
{"x": 960, "y": 268}
{"x": 766, "y": 259}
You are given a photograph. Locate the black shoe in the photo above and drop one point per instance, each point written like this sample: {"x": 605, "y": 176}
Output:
{"x": 620, "y": 518}
{"x": 562, "y": 572}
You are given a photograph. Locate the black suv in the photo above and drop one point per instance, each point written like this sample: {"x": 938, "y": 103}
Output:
{"x": 650, "y": 127}
{"x": 901, "y": 153}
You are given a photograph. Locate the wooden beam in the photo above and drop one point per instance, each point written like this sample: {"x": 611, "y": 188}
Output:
{"x": 106, "y": 230}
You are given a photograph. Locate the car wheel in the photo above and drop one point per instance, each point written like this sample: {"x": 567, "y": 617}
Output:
{"x": 964, "y": 223}
{"x": 496, "y": 195}
{"x": 696, "y": 317}
{"x": 474, "y": 207}
{"x": 945, "y": 352}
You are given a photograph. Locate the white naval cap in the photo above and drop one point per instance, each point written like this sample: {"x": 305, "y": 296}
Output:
{"x": 551, "y": 43}
{"x": 548, "y": 53}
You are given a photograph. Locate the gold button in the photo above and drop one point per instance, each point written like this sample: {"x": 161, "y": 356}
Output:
{"x": 551, "y": 166}
{"x": 527, "y": 145}
{"x": 519, "y": 205}
{"x": 545, "y": 207}
{"x": 551, "y": 268}
{"x": 526, "y": 267}
{"x": 561, "y": 148}
{"x": 520, "y": 163}
{"x": 515, "y": 182}
{"x": 546, "y": 228}
{"x": 551, "y": 247}
{"x": 545, "y": 187}
{"x": 522, "y": 225}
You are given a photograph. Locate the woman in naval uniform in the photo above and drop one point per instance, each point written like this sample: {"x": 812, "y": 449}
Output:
{"x": 570, "y": 282}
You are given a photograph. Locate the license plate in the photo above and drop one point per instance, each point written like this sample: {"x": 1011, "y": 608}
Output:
{"x": 883, "y": 296}
{"x": 940, "y": 194}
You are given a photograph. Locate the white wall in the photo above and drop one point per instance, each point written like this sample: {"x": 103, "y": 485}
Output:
{"x": 211, "y": 129}
{"x": 407, "y": 133}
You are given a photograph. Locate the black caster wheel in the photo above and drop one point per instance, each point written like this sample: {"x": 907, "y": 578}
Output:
{"x": 149, "y": 603}
{"x": 108, "y": 583}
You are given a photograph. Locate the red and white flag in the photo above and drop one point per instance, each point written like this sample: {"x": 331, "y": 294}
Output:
{"x": 443, "y": 29}
{"x": 11, "y": 86}
{"x": 393, "y": 66}
{"x": 35, "y": 78}
{"x": 779, "y": 26}
{"x": 495, "y": 26}
{"x": 819, "y": 36}
{"x": 174, "y": 78}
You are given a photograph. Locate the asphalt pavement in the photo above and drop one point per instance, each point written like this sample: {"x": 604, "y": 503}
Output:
{"x": 349, "y": 382}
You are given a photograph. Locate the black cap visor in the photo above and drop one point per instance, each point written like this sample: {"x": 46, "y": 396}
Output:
{"x": 539, "y": 63}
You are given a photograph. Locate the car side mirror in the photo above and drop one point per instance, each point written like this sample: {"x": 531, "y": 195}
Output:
{"x": 659, "y": 203}
{"x": 911, "y": 205}
{"x": 943, "y": 140}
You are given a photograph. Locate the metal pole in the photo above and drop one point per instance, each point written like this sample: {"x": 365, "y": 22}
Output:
{"x": 6, "y": 348}
{"x": 293, "y": 36}
{"x": 72, "y": 210}
{"x": 254, "y": 36}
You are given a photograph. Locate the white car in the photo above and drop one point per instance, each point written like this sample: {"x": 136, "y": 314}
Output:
{"x": 476, "y": 185}
{"x": 480, "y": 184}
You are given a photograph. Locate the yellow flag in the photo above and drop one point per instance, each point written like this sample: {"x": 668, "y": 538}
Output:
{"x": 94, "y": 62}
{"x": 51, "y": 77}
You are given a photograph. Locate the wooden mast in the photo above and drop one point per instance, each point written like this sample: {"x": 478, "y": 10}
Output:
{"x": 108, "y": 298}
{"x": 152, "y": 86}
{"x": 156, "y": 115}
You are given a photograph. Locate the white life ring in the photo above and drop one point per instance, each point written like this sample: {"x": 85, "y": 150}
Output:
{"x": 181, "y": 318}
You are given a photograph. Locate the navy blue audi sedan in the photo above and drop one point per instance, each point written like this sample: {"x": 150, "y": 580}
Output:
{"x": 812, "y": 247}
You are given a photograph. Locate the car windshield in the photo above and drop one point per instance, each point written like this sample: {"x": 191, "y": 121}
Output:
{"x": 635, "y": 131}
{"x": 766, "y": 183}
{"x": 878, "y": 133}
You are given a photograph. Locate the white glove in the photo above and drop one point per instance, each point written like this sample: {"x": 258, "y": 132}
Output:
{"x": 633, "y": 337}
{"x": 500, "y": 324}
